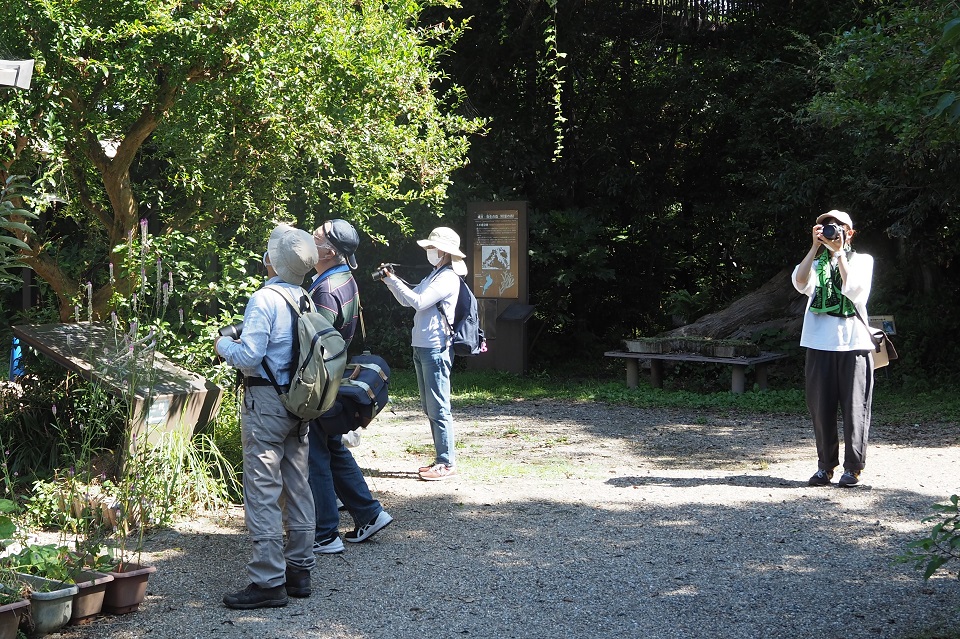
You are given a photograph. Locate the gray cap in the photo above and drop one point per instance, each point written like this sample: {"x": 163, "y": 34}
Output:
{"x": 293, "y": 253}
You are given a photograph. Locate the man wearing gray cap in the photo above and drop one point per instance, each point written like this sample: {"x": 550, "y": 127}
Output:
{"x": 275, "y": 448}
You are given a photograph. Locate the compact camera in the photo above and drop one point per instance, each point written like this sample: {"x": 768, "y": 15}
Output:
{"x": 383, "y": 271}
{"x": 832, "y": 231}
{"x": 233, "y": 331}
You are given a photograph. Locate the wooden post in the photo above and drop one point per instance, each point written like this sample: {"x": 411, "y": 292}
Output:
{"x": 633, "y": 373}
{"x": 739, "y": 378}
{"x": 656, "y": 373}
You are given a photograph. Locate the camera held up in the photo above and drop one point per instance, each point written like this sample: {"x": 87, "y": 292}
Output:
{"x": 233, "y": 331}
{"x": 832, "y": 231}
{"x": 382, "y": 271}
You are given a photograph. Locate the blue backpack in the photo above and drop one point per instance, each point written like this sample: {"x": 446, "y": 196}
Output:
{"x": 466, "y": 336}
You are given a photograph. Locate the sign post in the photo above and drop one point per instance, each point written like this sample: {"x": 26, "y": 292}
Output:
{"x": 16, "y": 73}
{"x": 497, "y": 257}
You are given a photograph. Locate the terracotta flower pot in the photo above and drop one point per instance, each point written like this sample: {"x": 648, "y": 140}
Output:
{"x": 128, "y": 588}
{"x": 88, "y": 601}
{"x": 10, "y": 618}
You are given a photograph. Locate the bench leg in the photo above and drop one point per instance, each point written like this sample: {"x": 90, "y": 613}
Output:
{"x": 633, "y": 373}
{"x": 739, "y": 378}
{"x": 656, "y": 373}
{"x": 761, "y": 372}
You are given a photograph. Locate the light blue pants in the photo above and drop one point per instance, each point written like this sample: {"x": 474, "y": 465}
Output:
{"x": 433, "y": 367}
{"x": 276, "y": 492}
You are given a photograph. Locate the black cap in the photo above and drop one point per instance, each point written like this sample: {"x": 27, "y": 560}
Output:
{"x": 344, "y": 238}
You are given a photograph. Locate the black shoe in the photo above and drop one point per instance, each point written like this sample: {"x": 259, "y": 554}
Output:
{"x": 849, "y": 478}
{"x": 371, "y": 528}
{"x": 253, "y": 596}
{"x": 298, "y": 582}
{"x": 821, "y": 478}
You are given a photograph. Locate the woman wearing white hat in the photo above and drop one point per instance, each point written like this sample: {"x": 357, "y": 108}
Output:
{"x": 839, "y": 360}
{"x": 432, "y": 357}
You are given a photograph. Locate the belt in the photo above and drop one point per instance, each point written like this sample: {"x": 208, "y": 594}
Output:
{"x": 257, "y": 381}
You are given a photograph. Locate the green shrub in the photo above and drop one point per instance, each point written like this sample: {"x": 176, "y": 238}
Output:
{"x": 941, "y": 544}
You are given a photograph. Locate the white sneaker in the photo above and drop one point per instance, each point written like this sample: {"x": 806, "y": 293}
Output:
{"x": 368, "y": 530}
{"x": 330, "y": 546}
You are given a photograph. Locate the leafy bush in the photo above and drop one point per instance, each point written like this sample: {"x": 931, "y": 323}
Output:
{"x": 942, "y": 543}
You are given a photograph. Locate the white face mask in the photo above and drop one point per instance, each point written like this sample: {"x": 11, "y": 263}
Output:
{"x": 433, "y": 256}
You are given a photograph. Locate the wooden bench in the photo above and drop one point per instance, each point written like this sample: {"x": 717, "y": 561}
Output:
{"x": 739, "y": 365}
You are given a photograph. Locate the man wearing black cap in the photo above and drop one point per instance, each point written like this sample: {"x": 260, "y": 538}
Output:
{"x": 333, "y": 470}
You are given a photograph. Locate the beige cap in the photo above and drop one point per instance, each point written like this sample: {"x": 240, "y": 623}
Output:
{"x": 839, "y": 216}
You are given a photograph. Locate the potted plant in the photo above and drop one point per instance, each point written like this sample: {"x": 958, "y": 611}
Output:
{"x": 51, "y": 603}
{"x": 61, "y": 567}
{"x": 14, "y": 596}
{"x": 126, "y": 585}
{"x": 14, "y": 602}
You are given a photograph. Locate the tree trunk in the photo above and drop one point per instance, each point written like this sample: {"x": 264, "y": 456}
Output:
{"x": 775, "y": 304}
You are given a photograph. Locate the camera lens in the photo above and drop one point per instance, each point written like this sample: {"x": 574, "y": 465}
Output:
{"x": 831, "y": 231}
{"x": 233, "y": 331}
{"x": 382, "y": 272}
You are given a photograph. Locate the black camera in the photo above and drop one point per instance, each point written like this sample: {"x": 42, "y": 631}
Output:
{"x": 832, "y": 231}
{"x": 233, "y": 331}
{"x": 383, "y": 271}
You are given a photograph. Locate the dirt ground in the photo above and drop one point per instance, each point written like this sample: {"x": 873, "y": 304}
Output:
{"x": 582, "y": 519}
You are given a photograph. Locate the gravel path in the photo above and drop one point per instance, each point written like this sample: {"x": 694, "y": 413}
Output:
{"x": 598, "y": 521}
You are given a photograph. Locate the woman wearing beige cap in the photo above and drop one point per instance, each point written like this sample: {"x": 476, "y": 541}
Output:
{"x": 432, "y": 357}
{"x": 839, "y": 361}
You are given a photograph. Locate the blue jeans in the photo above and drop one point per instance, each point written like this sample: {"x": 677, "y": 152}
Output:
{"x": 433, "y": 367}
{"x": 334, "y": 473}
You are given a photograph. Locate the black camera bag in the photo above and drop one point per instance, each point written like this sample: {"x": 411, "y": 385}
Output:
{"x": 364, "y": 392}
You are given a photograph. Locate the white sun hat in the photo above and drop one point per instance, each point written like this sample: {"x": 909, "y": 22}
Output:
{"x": 446, "y": 239}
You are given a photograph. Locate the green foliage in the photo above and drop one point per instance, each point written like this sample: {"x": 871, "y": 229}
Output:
{"x": 222, "y": 113}
{"x": 941, "y": 545}
{"x": 43, "y": 560}
{"x": 483, "y": 387}
{"x": 8, "y": 528}
{"x": 12, "y": 225}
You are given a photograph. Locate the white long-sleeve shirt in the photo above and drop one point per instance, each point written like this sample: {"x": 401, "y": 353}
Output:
{"x": 429, "y": 329}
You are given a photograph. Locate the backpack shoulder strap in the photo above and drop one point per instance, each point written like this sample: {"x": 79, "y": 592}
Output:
{"x": 306, "y": 304}
{"x": 440, "y": 305}
{"x": 297, "y": 311}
